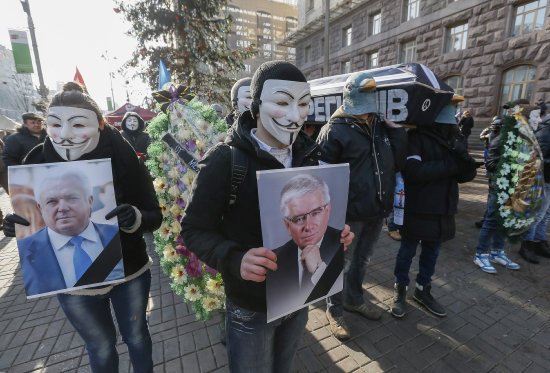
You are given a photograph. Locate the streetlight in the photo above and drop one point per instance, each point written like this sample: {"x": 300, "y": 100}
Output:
{"x": 105, "y": 56}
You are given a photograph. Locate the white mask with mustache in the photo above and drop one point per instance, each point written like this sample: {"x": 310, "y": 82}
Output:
{"x": 284, "y": 108}
{"x": 73, "y": 131}
{"x": 243, "y": 99}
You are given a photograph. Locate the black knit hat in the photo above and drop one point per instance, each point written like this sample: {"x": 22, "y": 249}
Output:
{"x": 280, "y": 70}
{"x": 244, "y": 82}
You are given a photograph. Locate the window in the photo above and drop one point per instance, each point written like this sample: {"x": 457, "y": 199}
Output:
{"x": 372, "y": 60}
{"x": 307, "y": 54}
{"x": 456, "y": 83}
{"x": 408, "y": 51}
{"x": 518, "y": 82}
{"x": 291, "y": 24}
{"x": 346, "y": 36}
{"x": 311, "y": 4}
{"x": 247, "y": 68}
{"x": 346, "y": 67}
{"x": 456, "y": 38}
{"x": 529, "y": 17}
{"x": 375, "y": 23}
{"x": 412, "y": 9}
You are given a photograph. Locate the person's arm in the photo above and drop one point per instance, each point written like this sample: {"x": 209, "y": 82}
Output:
{"x": 11, "y": 151}
{"x": 493, "y": 154}
{"x": 331, "y": 144}
{"x": 418, "y": 170}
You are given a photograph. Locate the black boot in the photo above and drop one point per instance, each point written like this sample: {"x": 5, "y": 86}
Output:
{"x": 399, "y": 306}
{"x": 527, "y": 252}
{"x": 542, "y": 249}
{"x": 425, "y": 298}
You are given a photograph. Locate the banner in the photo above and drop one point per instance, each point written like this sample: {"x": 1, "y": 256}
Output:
{"x": 21, "y": 52}
{"x": 109, "y": 104}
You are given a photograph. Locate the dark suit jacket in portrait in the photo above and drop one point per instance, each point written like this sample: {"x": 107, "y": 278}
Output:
{"x": 42, "y": 273}
{"x": 283, "y": 287}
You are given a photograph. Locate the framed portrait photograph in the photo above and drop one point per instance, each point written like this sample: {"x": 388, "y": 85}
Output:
{"x": 68, "y": 244}
{"x": 303, "y": 212}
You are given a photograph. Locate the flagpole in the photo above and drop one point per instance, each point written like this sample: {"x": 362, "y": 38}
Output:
{"x": 42, "y": 89}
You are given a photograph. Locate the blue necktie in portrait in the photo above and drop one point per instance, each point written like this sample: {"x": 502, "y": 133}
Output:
{"x": 81, "y": 260}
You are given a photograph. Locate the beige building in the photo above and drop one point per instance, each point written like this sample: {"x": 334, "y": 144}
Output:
{"x": 489, "y": 51}
{"x": 262, "y": 24}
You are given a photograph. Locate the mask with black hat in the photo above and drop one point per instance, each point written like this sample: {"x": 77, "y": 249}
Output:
{"x": 240, "y": 95}
{"x": 280, "y": 95}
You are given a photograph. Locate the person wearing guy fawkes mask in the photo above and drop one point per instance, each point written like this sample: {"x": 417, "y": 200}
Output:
{"x": 133, "y": 130}
{"x": 77, "y": 131}
{"x": 230, "y": 240}
{"x": 375, "y": 151}
{"x": 240, "y": 99}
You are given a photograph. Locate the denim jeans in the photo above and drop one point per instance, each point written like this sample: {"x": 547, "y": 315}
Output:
{"x": 488, "y": 230}
{"x": 390, "y": 223}
{"x": 426, "y": 262}
{"x": 253, "y": 345}
{"x": 92, "y": 318}
{"x": 537, "y": 232}
{"x": 356, "y": 258}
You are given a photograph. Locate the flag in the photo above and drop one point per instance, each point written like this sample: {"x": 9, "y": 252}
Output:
{"x": 164, "y": 75}
{"x": 21, "y": 52}
{"x": 109, "y": 104}
{"x": 78, "y": 78}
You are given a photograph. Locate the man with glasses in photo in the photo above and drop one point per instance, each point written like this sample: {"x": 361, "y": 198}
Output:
{"x": 309, "y": 263}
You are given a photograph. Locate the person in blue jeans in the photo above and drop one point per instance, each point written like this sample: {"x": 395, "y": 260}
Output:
{"x": 437, "y": 161}
{"x": 229, "y": 237}
{"x": 490, "y": 245}
{"x": 77, "y": 131}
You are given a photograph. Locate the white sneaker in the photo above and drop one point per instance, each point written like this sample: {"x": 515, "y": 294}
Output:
{"x": 500, "y": 257}
{"x": 482, "y": 260}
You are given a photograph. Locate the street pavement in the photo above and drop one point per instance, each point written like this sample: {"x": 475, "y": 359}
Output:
{"x": 495, "y": 323}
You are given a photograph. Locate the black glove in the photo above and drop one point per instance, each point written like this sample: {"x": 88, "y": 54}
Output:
{"x": 126, "y": 215}
{"x": 9, "y": 224}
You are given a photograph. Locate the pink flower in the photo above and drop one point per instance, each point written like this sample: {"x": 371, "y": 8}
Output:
{"x": 183, "y": 250}
{"x": 194, "y": 267}
{"x": 210, "y": 269}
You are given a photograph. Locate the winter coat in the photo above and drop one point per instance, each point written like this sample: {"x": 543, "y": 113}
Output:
{"x": 543, "y": 137}
{"x": 139, "y": 139}
{"x": 433, "y": 170}
{"x": 132, "y": 183}
{"x": 374, "y": 156}
{"x": 465, "y": 125}
{"x": 18, "y": 144}
{"x": 219, "y": 235}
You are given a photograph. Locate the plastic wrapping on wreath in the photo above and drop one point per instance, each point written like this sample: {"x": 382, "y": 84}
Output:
{"x": 518, "y": 180}
{"x": 407, "y": 93}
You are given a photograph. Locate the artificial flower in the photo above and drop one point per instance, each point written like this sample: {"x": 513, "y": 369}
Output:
{"x": 192, "y": 292}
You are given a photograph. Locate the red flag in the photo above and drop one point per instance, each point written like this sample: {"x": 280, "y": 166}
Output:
{"x": 78, "y": 78}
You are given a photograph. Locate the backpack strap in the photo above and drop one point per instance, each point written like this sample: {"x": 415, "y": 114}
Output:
{"x": 239, "y": 167}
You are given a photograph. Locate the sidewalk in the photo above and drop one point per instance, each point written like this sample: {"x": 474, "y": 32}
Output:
{"x": 495, "y": 323}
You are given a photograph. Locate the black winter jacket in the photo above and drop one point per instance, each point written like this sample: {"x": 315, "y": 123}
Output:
{"x": 18, "y": 144}
{"x": 431, "y": 184}
{"x": 543, "y": 137}
{"x": 220, "y": 236}
{"x": 133, "y": 185}
{"x": 139, "y": 140}
{"x": 373, "y": 158}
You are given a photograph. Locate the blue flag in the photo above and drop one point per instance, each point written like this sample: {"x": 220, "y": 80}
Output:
{"x": 164, "y": 75}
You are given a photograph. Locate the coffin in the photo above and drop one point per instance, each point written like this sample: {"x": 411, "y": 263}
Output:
{"x": 407, "y": 93}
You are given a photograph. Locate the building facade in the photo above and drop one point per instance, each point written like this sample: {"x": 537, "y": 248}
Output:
{"x": 262, "y": 24}
{"x": 491, "y": 52}
{"x": 16, "y": 90}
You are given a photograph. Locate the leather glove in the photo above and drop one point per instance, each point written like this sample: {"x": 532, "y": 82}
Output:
{"x": 9, "y": 224}
{"x": 126, "y": 215}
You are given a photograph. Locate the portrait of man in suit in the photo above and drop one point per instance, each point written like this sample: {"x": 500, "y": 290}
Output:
{"x": 311, "y": 261}
{"x": 71, "y": 251}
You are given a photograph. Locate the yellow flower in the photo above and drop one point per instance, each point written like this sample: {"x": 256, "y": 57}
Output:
{"x": 175, "y": 210}
{"x": 175, "y": 227}
{"x": 192, "y": 293}
{"x": 211, "y": 304}
{"x": 163, "y": 207}
{"x": 169, "y": 253}
{"x": 174, "y": 191}
{"x": 159, "y": 184}
{"x": 185, "y": 195}
{"x": 214, "y": 286}
{"x": 164, "y": 231}
{"x": 162, "y": 157}
{"x": 178, "y": 274}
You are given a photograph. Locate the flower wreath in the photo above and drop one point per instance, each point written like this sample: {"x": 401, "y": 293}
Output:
{"x": 518, "y": 179}
{"x": 196, "y": 127}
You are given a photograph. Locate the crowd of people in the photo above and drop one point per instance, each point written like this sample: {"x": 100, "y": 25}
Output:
{"x": 266, "y": 128}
